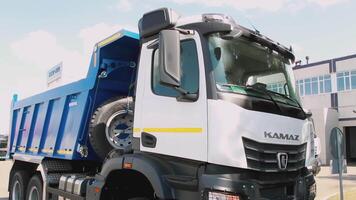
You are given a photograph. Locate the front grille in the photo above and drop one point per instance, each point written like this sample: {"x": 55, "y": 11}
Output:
{"x": 263, "y": 156}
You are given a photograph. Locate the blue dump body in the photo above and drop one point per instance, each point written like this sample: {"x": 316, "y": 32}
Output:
{"x": 55, "y": 123}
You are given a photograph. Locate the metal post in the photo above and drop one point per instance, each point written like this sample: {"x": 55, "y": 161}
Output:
{"x": 341, "y": 159}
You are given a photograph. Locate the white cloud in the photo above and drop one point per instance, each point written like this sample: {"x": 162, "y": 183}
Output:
{"x": 124, "y": 6}
{"x": 41, "y": 50}
{"x": 298, "y": 50}
{"x": 270, "y": 5}
{"x": 93, "y": 34}
{"x": 325, "y": 3}
{"x": 295, "y": 6}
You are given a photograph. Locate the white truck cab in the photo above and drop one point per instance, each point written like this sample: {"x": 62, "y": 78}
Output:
{"x": 212, "y": 91}
{"x": 229, "y": 95}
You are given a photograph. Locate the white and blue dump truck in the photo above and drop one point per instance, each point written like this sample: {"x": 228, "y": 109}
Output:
{"x": 189, "y": 108}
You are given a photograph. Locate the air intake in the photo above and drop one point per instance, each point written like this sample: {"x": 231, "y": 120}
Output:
{"x": 264, "y": 157}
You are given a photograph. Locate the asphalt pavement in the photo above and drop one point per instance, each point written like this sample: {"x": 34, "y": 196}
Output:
{"x": 5, "y": 167}
{"x": 327, "y": 184}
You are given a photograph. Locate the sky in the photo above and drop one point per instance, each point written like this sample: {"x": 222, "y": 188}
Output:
{"x": 37, "y": 35}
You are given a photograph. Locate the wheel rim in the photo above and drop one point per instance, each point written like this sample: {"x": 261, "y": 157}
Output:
{"x": 34, "y": 194}
{"x": 16, "y": 190}
{"x": 119, "y": 129}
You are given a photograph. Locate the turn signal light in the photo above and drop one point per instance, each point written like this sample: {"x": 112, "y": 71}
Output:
{"x": 127, "y": 165}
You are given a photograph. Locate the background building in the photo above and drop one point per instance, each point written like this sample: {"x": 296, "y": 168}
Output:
{"x": 328, "y": 90}
{"x": 3, "y": 145}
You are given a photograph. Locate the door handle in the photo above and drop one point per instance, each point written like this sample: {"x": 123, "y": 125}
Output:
{"x": 148, "y": 140}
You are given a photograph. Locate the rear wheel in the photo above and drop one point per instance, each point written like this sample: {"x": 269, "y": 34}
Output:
{"x": 18, "y": 185}
{"x": 35, "y": 188}
{"x": 111, "y": 127}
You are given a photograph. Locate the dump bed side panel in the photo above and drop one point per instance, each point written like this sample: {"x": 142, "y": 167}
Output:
{"x": 37, "y": 127}
{"x": 64, "y": 144}
{"x": 50, "y": 128}
{"x": 16, "y": 126}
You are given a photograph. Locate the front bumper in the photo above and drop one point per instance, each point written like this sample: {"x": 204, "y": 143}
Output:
{"x": 261, "y": 187}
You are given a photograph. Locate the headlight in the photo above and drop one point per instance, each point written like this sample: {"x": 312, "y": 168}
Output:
{"x": 222, "y": 196}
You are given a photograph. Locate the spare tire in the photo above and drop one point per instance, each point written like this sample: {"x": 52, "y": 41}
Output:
{"x": 111, "y": 127}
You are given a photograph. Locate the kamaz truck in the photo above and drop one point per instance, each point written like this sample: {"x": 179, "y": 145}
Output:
{"x": 189, "y": 108}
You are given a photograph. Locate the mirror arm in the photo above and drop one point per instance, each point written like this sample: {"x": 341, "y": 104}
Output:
{"x": 187, "y": 98}
{"x": 153, "y": 45}
{"x": 185, "y": 31}
{"x": 185, "y": 95}
{"x": 181, "y": 90}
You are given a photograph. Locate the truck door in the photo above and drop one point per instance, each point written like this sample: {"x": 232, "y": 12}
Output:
{"x": 169, "y": 126}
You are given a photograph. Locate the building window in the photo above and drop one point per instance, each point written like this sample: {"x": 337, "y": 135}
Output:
{"x": 353, "y": 79}
{"x": 343, "y": 81}
{"x": 315, "y": 85}
{"x": 347, "y": 80}
{"x": 276, "y": 87}
{"x": 325, "y": 84}
{"x": 307, "y": 86}
{"x": 300, "y": 87}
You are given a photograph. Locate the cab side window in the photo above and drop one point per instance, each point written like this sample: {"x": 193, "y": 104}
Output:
{"x": 189, "y": 71}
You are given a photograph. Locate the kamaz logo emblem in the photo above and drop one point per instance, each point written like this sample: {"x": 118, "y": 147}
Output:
{"x": 281, "y": 136}
{"x": 282, "y": 159}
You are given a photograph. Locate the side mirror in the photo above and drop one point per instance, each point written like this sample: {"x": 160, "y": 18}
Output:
{"x": 169, "y": 58}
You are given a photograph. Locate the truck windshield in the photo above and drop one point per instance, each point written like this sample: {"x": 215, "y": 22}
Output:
{"x": 245, "y": 67}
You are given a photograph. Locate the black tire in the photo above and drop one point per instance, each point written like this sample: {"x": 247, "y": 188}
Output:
{"x": 97, "y": 127}
{"x": 20, "y": 181}
{"x": 34, "y": 188}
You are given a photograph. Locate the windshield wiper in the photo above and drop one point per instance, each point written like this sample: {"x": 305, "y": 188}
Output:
{"x": 289, "y": 98}
{"x": 259, "y": 87}
{"x": 255, "y": 87}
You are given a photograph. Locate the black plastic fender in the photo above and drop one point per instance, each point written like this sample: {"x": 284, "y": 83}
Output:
{"x": 151, "y": 167}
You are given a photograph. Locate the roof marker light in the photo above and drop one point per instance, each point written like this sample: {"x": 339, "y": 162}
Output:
{"x": 216, "y": 17}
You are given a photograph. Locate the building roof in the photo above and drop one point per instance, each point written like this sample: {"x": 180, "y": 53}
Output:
{"x": 329, "y": 61}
